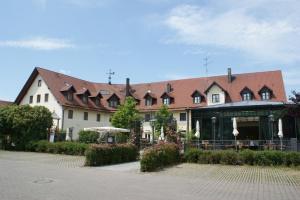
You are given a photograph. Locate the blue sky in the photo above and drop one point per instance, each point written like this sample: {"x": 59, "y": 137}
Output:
{"x": 147, "y": 40}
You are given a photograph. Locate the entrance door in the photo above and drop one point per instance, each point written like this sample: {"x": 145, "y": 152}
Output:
{"x": 248, "y": 128}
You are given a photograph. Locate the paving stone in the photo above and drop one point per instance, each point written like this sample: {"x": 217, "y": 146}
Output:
{"x": 35, "y": 176}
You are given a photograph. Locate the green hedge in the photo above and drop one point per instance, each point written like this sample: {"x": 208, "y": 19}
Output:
{"x": 105, "y": 154}
{"x": 261, "y": 158}
{"x": 160, "y": 156}
{"x": 88, "y": 137}
{"x": 68, "y": 148}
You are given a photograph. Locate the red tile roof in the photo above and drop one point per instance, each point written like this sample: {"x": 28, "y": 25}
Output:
{"x": 181, "y": 89}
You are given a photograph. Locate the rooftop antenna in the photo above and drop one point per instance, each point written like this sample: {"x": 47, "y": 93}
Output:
{"x": 110, "y": 73}
{"x": 205, "y": 64}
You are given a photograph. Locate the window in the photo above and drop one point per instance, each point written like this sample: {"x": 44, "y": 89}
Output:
{"x": 86, "y": 116}
{"x": 39, "y": 83}
{"x": 166, "y": 101}
{"x": 197, "y": 99}
{"x": 38, "y": 98}
{"x": 70, "y": 96}
{"x": 182, "y": 116}
{"x": 97, "y": 101}
{"x": 265, "y": 95}
{"x": 46, "y": 97}
{"x": 247, "y": 96}
{"x": 113, "y": 103}
{"x": 216, "y": 98}
{"x": 148, "y": 101}
{"x": 85, "y": 98}
{"x": 71, "y": 132}
{"x": 98, "y": 117}
{"x": 70, "y": 114}
{"x": 147, "y": 117}
{"x": 31, "y": 99}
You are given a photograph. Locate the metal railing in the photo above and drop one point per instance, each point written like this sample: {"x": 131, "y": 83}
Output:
{"x": 240, "y": 144}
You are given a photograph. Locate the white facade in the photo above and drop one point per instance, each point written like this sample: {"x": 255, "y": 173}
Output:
{"x": 182, "y": 125}
{"x": 215, "y": 90}
{"x": 42, "y": 90}
{"x": 77, "y": 123}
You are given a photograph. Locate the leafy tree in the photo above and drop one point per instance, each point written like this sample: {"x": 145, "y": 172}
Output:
{"x": 163, "y": 116}
{"x": 24, "y": 123}
{"x": 296, "y": 97}
{"x": 126, "y": 115}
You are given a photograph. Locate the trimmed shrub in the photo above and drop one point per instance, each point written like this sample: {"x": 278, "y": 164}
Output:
{"x": 105, "y": 154}
{"x": 292, "y": 159}
{"x": 229, "y": 158}
{"x": 192, "y": 155}
{"x": 88, "y": 137}
{"x": 68, "y": 148}
{"x": 249, "y": 157}
{"x": 160, "y": 156}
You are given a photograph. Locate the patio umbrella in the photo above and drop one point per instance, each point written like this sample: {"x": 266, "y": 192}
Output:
{"x": 162, "y": 134}
{"x": 280, "y": 132}
{"x": 235, "y": 132}
{"x": 197, "y": 134}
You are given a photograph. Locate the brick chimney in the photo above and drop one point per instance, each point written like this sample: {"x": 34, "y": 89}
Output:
{"x": 229, "y": 74}
{"x": 127, "y": 92}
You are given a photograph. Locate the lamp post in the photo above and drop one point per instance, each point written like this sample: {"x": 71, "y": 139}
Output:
{"x": 271, "y": 120}
{"x": 152, "y": 124}
{"x": 213, "y": 120}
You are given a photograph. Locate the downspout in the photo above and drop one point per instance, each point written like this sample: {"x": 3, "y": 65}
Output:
{"x": 63, "y": 118}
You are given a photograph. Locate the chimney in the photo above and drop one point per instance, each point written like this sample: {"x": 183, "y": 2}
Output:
{"x": 127, "y": 92}
{"x": 230, "y": 78}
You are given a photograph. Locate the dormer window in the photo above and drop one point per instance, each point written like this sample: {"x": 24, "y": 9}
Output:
{"x": 70, "y": 96}
{"x": 265, "y": 93}
{"x": 148, "y": 101}
{"x": 96, "y": 98}
{"x": 113, "y": 101}
{"x": 166, "y": 100}
{"x": 150, "y": 98}
{"x": 84, "y": 95}
{"x": 68, "y": 91}
{"x": 247, "y": 94}
{"x": 97, "y": 101}
{"x": 215, "y": 98}
{"x": 85, "y": 99}
{"x": 196, "y": 97}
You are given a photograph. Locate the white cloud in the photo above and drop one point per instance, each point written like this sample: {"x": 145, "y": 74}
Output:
{"x": 244, "y": 27}
{"x": 38, "y": 43}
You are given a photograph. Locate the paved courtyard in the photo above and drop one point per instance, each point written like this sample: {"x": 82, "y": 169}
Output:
{"x": 34, "y": 176}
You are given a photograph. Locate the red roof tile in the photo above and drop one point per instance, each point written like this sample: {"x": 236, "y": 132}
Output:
{"x": 181, "y": 89}
{"x": 5, "y": 103}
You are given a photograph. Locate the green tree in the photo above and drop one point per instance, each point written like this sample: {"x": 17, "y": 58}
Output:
{"x": 24, "y": 123}
{"x": 126, "y": 115}
{"x": 163, "y": 116}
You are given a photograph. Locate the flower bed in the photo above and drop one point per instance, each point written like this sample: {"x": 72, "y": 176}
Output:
{"x": 105, "y": 154}
{"x": 261, "y": 158}
{"x": 160, "y": 156}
